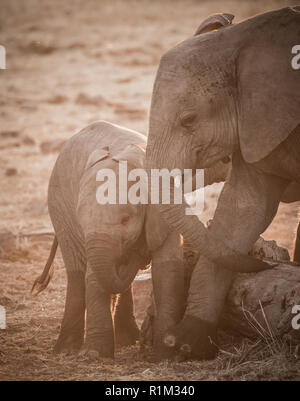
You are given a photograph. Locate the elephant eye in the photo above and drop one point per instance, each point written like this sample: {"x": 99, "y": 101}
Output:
{"x": 188, "y": 119}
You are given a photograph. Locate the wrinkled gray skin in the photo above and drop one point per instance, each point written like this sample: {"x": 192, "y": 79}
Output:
{"x": 229, "y": 91}
{"x": 138, "y": 232}
{"x": 103, "y": 246}
{"x": 220, "y": 172}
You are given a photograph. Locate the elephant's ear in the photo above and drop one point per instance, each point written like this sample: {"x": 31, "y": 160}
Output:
{"x": 268, "y": 95}
{"x": 134, "y": 154}
{"x": 96, "y": 156}
{"x": 213, "y": 22}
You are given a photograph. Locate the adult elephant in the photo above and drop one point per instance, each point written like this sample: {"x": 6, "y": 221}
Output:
{"x": 230, "y": 91}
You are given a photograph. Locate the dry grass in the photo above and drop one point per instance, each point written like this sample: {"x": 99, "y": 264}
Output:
{"x": 267, "y": 355}
{"x": 108, "y": 51}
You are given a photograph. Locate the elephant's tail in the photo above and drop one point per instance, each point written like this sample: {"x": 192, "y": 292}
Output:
{"x": 43, "y": 280}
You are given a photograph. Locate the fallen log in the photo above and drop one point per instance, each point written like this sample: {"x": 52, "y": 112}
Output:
{"x": 258, "y": 304}
{"x": 262, "y": 304}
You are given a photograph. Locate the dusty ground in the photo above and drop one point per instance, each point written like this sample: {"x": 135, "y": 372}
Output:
{"x": 68, "y": 64}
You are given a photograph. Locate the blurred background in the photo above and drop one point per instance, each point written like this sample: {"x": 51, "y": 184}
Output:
{"x": 73, "y": 62}
{"x": 69, "y": 63}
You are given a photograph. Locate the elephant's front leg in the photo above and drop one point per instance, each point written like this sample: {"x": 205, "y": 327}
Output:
{"x": 169, "y": 295}
{"x": 99, "y": 326}
{"x": 72, "y": 329}
{"x": 196, "y": 335}
{"x": 246, "y": 207}
{"x": 126, "y": 330}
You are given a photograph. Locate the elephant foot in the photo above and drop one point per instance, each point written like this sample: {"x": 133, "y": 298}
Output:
{"x": 160, "y": 350}
{"x": 90, "y": 354}
{"x": 68, "y": 344}
{"x": 94, "y": 354}
{"x": 193, "y": 338}
{"x": 127, "y": 334}
{"x": 94, "y": 349}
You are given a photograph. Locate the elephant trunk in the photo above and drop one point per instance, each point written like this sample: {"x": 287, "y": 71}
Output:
{"x": 194, "y": 231}
{"x": 100, "y": 250}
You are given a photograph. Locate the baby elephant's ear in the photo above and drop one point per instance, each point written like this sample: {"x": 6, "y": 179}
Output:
{"x": 134, "y": 154}
{"x": 213, "y": 22}
{"x": 96, "y": 156}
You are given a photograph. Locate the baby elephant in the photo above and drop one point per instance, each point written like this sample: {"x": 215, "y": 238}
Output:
{"x": 104, "y": 245}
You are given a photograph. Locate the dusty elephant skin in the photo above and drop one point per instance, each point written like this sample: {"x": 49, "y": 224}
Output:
{"x": 212, "y": 99}
{"x": 103, "y": 246}
{"x": 90, "y": 235}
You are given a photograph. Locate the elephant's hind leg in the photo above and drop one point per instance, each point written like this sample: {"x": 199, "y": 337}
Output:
{"x": 72, "y": 328}
{"x": 126, "y": 330}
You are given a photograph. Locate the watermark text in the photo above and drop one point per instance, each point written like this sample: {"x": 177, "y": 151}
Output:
{"x": 296, "y": 59}
{"x": 166, "y": 187}
{"x": 2, "y": 318}
{"x": 2, "y": 57}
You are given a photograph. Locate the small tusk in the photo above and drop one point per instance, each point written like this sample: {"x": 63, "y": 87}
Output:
{"x": 170, "y": 340}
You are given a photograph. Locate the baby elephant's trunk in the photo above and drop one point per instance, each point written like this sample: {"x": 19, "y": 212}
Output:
{"x": 102, "y": 254}
{"x": 43, "y": 280}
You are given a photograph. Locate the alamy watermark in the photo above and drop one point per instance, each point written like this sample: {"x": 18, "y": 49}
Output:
{"x": 296, "y": 318}
{"x": 2, "y": 57}
{"x": 165, "y": 187}
{"x": 296, "y": 59}
{"x": 2, "y": 318}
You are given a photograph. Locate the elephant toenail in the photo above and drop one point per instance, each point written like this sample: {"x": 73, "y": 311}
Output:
{"x": 170, "y": 340}
{"x": 186, "y": 348}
